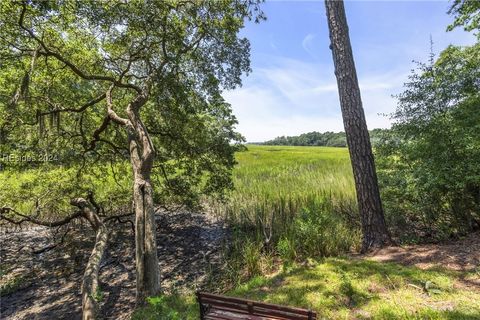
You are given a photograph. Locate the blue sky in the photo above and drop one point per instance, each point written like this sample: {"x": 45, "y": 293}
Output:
{"x": 292, "y": 88}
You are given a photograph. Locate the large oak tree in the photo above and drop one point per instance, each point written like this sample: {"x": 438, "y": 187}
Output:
{"x": 136, "y": 80}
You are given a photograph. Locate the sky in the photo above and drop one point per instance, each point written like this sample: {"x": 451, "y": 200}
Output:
{"x": 292, "y": 87}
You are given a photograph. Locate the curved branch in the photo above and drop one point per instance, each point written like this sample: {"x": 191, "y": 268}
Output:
{"x": 79, "y": 109}
{"x": 111, "y": 113}
{"x": 26, "y": 218}
{"x": 97, "y": 132}
{"x": 117, "y": 217}
{"x": 90, "y": 276}
{"x": 160, "y": 133}
{"x": 52, "y": 246}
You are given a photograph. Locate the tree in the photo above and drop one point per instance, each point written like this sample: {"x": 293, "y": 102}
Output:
{"x": 429, "y": 167}
{"x": 137, "y": 80}
{"x": 375, "y": 233}
{"x": 428, "y": 162}
{"x": 467, "y": 14}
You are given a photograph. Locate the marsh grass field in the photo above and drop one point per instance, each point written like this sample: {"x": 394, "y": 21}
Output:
{"x": 292, "y": 202}
{"x": 273, "y": 176}
{"x": 293, "y": 172}
{"x": 305, "y": 197}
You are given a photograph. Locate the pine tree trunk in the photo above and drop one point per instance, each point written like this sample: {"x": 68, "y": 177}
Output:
{"x": 375, "y": 233}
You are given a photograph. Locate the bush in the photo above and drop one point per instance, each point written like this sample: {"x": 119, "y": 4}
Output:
{"x": 47, "y": 191}
{"x": 429, "y": 163}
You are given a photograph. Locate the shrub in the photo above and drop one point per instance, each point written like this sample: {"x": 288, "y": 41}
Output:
{"x": 429, "y": 163}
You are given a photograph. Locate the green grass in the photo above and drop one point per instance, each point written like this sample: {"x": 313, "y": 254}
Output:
{"x": 299, "y": 200}
{"x": 269, "y": 175}
{"x": 346, "y": 289}
{"x": 341, "y": 288}
{"x": 293, "y": 166}
{"x": 282, "y": 180}
{"x": 10, "y": 284}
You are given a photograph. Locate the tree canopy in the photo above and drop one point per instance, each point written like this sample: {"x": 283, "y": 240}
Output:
{"x": 59, "y": 60}
{"x": 91, "y": 82}
{"x": 467, "y": 14}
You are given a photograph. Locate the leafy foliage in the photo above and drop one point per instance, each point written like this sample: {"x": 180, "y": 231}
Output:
{"x": 47, "y": 191}
{"x": 429, "y": 162}
{"x": 60, "y": 58}
{"x": 467, "y": 14}
{"x": 328, "y": 139}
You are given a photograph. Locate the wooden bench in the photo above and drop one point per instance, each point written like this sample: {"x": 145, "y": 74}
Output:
{"x": 217, "y": 307}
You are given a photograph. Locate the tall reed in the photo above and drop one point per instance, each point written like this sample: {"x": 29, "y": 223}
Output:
{"x": 284, "y": 194}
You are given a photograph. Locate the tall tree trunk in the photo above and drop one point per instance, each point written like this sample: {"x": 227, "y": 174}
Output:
{"x": 142, "y": 156}
{"x": 375, "y": 233}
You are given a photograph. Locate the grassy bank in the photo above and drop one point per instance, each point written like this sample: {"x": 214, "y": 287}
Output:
{"x": 338, "y": 288}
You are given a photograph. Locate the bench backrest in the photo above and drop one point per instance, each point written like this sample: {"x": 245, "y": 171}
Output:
{"x": 210, "y": 301}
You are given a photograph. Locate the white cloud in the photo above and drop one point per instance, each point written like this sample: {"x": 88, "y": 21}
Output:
{"x": 291, "y": 97}
{"x": 307, "y": 43}
{"x": 261, "y": 116}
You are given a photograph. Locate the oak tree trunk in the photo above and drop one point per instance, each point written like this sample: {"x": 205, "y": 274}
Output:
{"x": 90, "y": 289}
{"x": 141, "y": 157}
{"x": 375, "y": 233}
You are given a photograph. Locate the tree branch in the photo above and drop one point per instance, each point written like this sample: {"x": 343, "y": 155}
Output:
{"x": 52, "y": 246}
{"x": 79, "y": 109}
{"x": 26, "y": 218}
{"x": 73, "y": 67}
{"x": 111, "y": 113}
{"x": 97, "y": 132}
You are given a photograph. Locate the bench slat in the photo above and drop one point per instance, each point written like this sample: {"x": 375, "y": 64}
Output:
{"x": 230, "y": 308}
{"x": 217, "y": 297}
{"x": 225, "y": 304}
{"x": 222, "y": 315}
{"x": 281, "y": 314}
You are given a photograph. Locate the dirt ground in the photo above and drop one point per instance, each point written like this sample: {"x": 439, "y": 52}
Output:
{"x": 189, "y": 247}
{"x": 47, "y": 285}
{"x": 460, "y": 255}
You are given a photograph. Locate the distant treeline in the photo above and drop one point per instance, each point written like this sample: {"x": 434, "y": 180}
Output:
{"x": 327, "y": 139}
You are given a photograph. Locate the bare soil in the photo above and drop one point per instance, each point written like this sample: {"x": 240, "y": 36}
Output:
{"x": 47, "y": 285}
{"x": 460, "y": 255}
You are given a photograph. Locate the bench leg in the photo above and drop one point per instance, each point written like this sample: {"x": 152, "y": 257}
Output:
{"x": 202, "y": 310}
{"x": 310, "y": 315}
